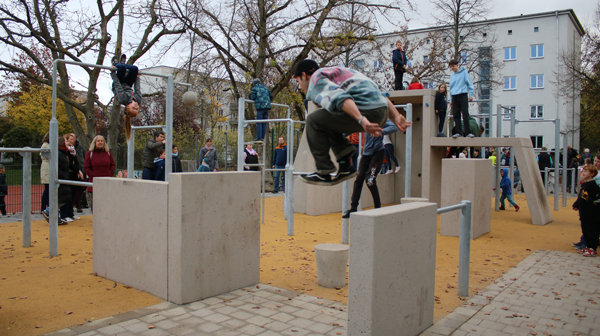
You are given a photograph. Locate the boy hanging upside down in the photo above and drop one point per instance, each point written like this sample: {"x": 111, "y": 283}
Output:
{"x": 126, "y": 87}
{"x": 349, "y": 102}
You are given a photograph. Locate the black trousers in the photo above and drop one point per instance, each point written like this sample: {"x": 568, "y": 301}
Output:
{"x": 398, "y": 74}
{"x": 591, "y": 232}
{"x": 460, "y": 107}
{"x": 442, "y": 115}
{"x": 2, "y": 206}
{"x": 368, "y": 168}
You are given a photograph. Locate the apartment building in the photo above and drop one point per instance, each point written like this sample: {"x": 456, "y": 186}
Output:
{"x": 528, "y": 50}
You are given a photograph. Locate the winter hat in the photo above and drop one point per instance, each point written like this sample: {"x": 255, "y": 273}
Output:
{"x": 206, "y": 160}
{"x": 587, "y": 150}
{"x": 255, "y": 81}
{"x": 307, "y": 66}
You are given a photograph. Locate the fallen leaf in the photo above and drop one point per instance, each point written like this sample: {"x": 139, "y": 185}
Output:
{"x": 151, "y": 327}
{"x": 68, "y": 312}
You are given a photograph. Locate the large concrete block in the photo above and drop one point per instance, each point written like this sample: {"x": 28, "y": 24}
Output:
{"x": 130, "y": 230}
{"x": 392, "y": 270}
{"x": 466, "y": 179}
{"x": 213, "y": 233}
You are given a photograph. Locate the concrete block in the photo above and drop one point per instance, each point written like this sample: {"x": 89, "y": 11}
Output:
{"x": 332, "y": 260}
{"x": 466, "y": 179}
{"x": 392, "y": 270}
{"x": 406, "y": 200}
{"x": 130, "y": 230}
{"x": 213, "y": 234}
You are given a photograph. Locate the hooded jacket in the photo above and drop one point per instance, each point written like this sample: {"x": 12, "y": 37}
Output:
{"x": 505, "y": 183}
{"x": 374, "y": 144}
{"x": 460, "y": 82}
{"x": 261, "y": 96}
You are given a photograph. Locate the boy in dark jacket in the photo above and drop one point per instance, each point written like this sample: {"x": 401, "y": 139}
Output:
{"x": 159, "y": 166}
{"x": 505, "y": 184}
{"x": 279, "y": 162}
{"x": 399, "y": 62}
{"x": 588, "y": 211}
{"x": 3, "y": 190}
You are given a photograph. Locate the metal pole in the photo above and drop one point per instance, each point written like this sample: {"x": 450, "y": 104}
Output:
{"x": 264, "y": 167}
{"x": 289, "y": 179}
{"x": 498, "y": 134}
{"x": 512, "y": 154}
{"x": 53, "y": 170}
{"x": 573, "y": 179}
{"x": 240, "y": 149}
{"x": 546, "y": 180}
{"x": 556, "y": 162}
{"x": 408, "y": 160}
{"x": 226, "y": 156}
{"x": 345, "y": 207}
{"x": 564, "y": 172}
{"x": 131, "y": 155}
{"x": 464, "y": 252}
{"x": 169, "y": 128}
{"x": 26, "y": 199}
{"x": 358, "y": 158}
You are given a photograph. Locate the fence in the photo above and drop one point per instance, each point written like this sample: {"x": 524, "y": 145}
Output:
{"x": 14, "y": 180}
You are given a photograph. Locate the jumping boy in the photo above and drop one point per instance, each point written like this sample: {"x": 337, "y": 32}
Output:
{"x": 588, "y": 211}
{"x": 349, "y": 102}
{"x": 126, "y": 87}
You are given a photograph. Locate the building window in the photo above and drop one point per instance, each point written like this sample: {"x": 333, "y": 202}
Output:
{"x": 378, "y": 65}
{"x": 509, "y": 32}
{"x": 484, "y": 34}
{"x": 537, "y": 51}
{"x": 510, "y": 83}
{"x": 428, "y": 41}
{"x": 537, "y": 111}
{"x": 359, "y": 64}
{"x": 510, "y": 53}
{"x": 537, "y": 141}
{"x": 536, "y": 29}
{"x": 392, "y": 45}
{"x": 463, "y": 57}
{"x": 425, "y": 59}
{"x": 428, "y": 85}
{"x": 506, "y": 113}
{"x": 537, "y": 81}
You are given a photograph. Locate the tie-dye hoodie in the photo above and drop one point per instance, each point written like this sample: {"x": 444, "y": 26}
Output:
{"x": 330, "y": 87}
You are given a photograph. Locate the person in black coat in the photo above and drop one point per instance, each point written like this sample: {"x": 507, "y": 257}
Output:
{"x": 64, "y": 190}
{"x": 3, "y": 190}
{"x": 399, "y": 62}
{"x": 176, "y": 166}
{"x": 441, "y": 106}
{"x": 544, "y": 161}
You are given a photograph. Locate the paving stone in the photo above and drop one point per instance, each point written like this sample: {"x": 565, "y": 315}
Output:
{"x": 182, "y": 330}
{"x": 324, "y": 319}
{"x": 166, "y": 324}
{"x": 282, "y": 317}
{"x": 155, "y": 332}
{"x": 111, "y": 330}
{"x": 320, "y": 327}
{"x": 202, "y": 312}
{"x": 137, "y": 327}
{"x": 209, "y": 327}
{"x": 192, "y": 321}
{"x": 62, "y": 332}
{"x": 251, "y": 329}
{"x": 226, "y": 310}
{"x": 259, "y": 320}
{"x": 242, "y": 315}
{"x": 277, "y": 326}
{"x": 305, "y": 314}
{"x": 301, "y": 322}
{"x": 233, "y": 323}
{"x": 152, "y": 318}
{"x": 295, "y": 331}
{"x": 216, "y": 318}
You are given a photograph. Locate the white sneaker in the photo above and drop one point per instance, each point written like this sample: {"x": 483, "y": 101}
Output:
{"x": 68, "y": 219}
{"x": 470, "y": 135}
{"x": 75, "y": 217}
{"x": 397, "y": 169}
{"x": 456, "y": 135}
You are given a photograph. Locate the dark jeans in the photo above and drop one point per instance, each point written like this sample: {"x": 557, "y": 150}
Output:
{"x": 442, "y": 116}
{"x": 279, "y": 174}
{"x": 389, "y": 155}
{"x": 355, "y": 157}
{"x": 261, "y": 128}
{"x": 77, "y": 192}
{"x": 46, "y": 197}
{"x": 324, "y": 132}
{"x": 368, "y": 167}
{"x": 460, "y": 106}
{"x": 591, "y": 233}
{"x": 148, "y": 174}
{"x": 67, "y": 210}
{"x": 398, "y": 85}
{"x": 2, "y": 206}
{"x": 127, "y": 73}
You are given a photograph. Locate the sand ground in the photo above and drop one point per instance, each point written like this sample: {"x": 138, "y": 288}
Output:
{"x": 39, "y": 294}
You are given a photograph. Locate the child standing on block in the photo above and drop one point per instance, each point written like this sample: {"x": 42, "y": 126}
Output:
{"x": 461, "y": 93}
{"x": 588, "y": 211}
{"x": 505, "y": 184}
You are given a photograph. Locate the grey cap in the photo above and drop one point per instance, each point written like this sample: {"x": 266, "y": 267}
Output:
{"x": 255, "y": 81}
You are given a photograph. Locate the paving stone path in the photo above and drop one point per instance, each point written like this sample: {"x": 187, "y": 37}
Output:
{"x": 548, "y": 293}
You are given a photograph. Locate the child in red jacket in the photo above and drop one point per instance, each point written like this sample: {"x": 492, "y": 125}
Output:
{"x": 415, "y": 85}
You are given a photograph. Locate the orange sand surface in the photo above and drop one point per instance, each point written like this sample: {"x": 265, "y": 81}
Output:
{"x": 39, "y": 294}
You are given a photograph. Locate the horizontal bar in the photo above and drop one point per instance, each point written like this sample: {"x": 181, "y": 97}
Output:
{"x": 272, "y": 104}
{"x": 298, "y": 122}
{"x": 184, "y": 84}
{"x": 107, "y": 67}
{"x": 23, "y": 150}
{"x": 275, "y": 169}
{"x": 258, "y": 121}
{"x": 254, "y": 164}
{"x": 306, "y": 173}
{"x": 450, "y": 208}
{"x": 526, "y": 121}
{"x": 403, "y": 106}
{"x": 76, "y": 183}
{"x": 148, "y": 127}
{"x": 507, "y": 108}
{"x": 480, "y": 101}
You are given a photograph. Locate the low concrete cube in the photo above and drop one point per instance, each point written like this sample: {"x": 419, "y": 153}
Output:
{"x": 332, "y": 262}
{"x": 467, "y": 179}
{"x": 392, "y": 270}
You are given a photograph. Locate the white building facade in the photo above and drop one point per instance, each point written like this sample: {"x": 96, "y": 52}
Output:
{"x": 528, "y": 49}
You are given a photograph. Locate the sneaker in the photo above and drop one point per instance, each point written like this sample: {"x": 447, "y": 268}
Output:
{"x": 440, "y": 135}
{"x": 397, "y": 169}
{"x": 470, "y": 135}
{"x": 62, "y": 221}
{"x": 274, "y": 191}
{"x": 578, "y": 244}
{"x": 68, "y": 219}
{"x": 502, "y": 208}
{"x": 75, "y": 217}
{"x": 344, "y": 174}
{"x": 517, "y": 207}
{"x": 79, "y": 210}
{"x": 123, "y": 59}
{"x": 46, "y": 215}
{"x": 456, "y": 135}
{"x": 582, "y": 250}
{"x": 590, "y": 253}
{"x": 257, "y": 140}
{"x": 114, "y": 61}
{"x": 347, "y": 213}
{"x": 316, "y": 178}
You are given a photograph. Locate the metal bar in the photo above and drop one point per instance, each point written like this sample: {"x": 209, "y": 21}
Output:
{"x": 240, "y": 149}
{"x": 75, "y": 183}
{"x": 556, "y": 162}
{"x": 23, "y": 150}
{"x": 184, "y": 84}
{"x": 106, "y": 67}
{"x": 573, "y": 180}
{"x": 535, "y": 121}
{"x": 498, "y": 135}
{"x": 26, "y": 199}
{"x": 564, "y": 172}
{"x": 169, "y": 128}
{"x": 408, "y": 154}
{"x": 272, "y": 104}
{"x": 260, "y": 121}
{"x": 148, "y": 127}
{"x": 450, "y": 208}
{"x": 358, "y": 158}
{"x": 480, "y": 100}
{"x": 401, "y": 106}
{"x": 131, "y": 154}
{"x": 464, "y": 251}
{"x": 289, "y": 180}
{"x": 345, "y": 207}
{"x": 546, "y": 180}
{"x": 53, "y": 170}
{"x": 262, "y": 174}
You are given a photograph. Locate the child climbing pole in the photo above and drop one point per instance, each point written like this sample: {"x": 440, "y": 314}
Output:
{"x": 126, "y": 87}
